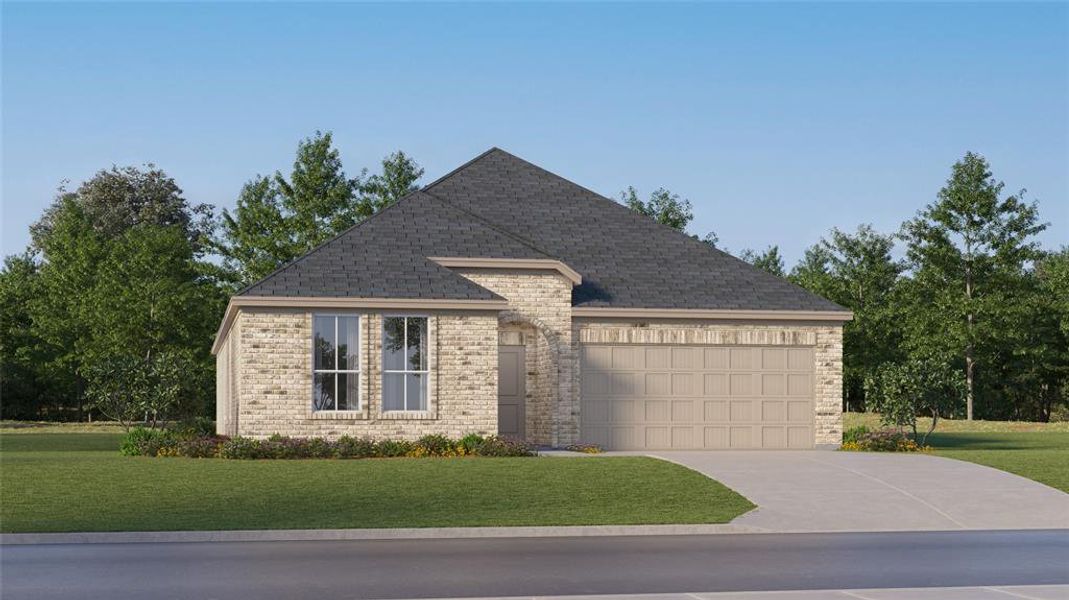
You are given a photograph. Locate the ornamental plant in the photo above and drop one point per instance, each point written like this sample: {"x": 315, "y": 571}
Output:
{"x": 919, "y": 386}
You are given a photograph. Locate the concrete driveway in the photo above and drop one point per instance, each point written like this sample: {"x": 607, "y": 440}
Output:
{"x": 855, "y": 491}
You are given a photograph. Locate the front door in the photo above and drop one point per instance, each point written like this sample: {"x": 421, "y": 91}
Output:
{"x": 511, "y": 391}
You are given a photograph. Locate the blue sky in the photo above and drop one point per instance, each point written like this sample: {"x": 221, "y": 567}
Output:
{"x": 778, "y": 121}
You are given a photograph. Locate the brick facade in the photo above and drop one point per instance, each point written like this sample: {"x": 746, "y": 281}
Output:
{"x": 273, "y": 378}
{"x": 265, "y": 381}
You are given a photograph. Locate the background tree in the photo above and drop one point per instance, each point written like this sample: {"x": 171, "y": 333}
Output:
{"x": 663, "y": 206}
{"x": 857, "y": 271}
{"x": 769, "y": 261}
{"x": 966, "y": 253}
{"x": 79, "y": 304}
{"x": 278, "y": 219}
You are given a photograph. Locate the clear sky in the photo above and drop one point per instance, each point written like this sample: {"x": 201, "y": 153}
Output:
{"x": 778, "y": 121}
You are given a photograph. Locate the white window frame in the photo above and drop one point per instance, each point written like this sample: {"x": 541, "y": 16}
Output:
{"x": 404, "y": 346}
{"x": 359, "y": 371}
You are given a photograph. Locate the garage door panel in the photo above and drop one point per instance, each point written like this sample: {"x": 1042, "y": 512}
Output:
{"x": 742, "y": 411}
{"x": 774, "y": 359}
{"x": 773, "y": 411}
{"x": 683, "y": 411}
{"x": 657, "y": 411}
{"x": 697, "y": 397}
{"x": 773, "y": 384}
{"x": 741, "y": 384}
{"x": 773, "y": 437}
{"x": 716, "y": 359}
{"x": 683, "y": 438}
{"x": 716, "y": 384}
{"x": 658, "y": 358}
{"x": 686, "y": 384}
{"x": 716, "y": 411}
{"x": 687, "y": 359}
{"x": 627, "y": 357}
{"x": 799, "y": 384}
{"x": 799, "y": 411}
{"x": 658, "y": 384}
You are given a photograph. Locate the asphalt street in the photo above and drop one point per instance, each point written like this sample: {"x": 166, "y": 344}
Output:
{"x": 533, "y": 566}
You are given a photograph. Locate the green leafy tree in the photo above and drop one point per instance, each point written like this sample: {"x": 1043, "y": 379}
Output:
{"x": 967, "y": 252}
{"x": 918, "y": 386}
{"x": 277, "y": 219}
{"x": 769, "y": 260}
{"x": 663, "y": 206}
{"x": 857, "y": 271}
{"x": 397, "y": 179}
{"x": 136, "y": 389}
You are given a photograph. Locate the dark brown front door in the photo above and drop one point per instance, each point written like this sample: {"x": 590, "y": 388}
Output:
{"x": 511, "y": 391}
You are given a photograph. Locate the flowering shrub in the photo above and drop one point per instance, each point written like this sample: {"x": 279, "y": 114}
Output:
{"x": 148, "y": 442}
{"x": 584, "y": 448}
{"x": 884, "y": 440}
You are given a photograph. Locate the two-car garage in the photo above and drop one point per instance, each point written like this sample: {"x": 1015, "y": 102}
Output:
{"x": 658, "y": 397}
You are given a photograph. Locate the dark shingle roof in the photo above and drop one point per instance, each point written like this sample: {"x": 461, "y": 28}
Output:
{"x": 500, "y": 206}
{"x": 386, "y": 256}
{"x": 626, "y": 259}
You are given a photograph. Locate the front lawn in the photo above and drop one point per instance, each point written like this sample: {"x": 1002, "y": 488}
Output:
{"x": 78, "y": 482}
{"x": 1040, "y": 456}
{"x": 1038, "y": 451}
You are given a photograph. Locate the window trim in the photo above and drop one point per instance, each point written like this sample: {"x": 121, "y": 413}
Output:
{"x": 426, "y": 372}
{"x": 359, "y": 371}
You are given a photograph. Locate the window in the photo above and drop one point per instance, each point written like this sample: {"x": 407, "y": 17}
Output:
{"x": 404, "y": 362}
{"x": 336, "y": 363}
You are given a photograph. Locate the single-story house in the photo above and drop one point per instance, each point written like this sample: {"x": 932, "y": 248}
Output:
{"x": 504, "y": 299}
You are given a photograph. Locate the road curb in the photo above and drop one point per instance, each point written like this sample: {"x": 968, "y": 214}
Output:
{"x": 283, "y": 535}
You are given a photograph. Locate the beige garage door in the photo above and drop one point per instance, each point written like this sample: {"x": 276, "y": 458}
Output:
{"x": 696, "y": 397}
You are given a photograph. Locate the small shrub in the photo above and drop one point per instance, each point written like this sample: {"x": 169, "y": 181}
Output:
{"x": 584, "y": 448}
{"x": 852, "y": 434}
{"x": 141, "y": 441}
{"x": 884, "y": 440}
{"x": 394, "y": 448}
{"x": 500, "y": 446}
{"x": 471, "y": 443}
{"x": 241, "y": 448}
{"x": 350, "y": 447}
{"x": 435, "y": 445}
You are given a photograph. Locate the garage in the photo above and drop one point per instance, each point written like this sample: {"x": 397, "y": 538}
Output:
{"x": 661, "y": 397}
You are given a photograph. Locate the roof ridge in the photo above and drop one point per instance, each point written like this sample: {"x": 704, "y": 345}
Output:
{"x": 324, "y": 243}
{"x": 491, "y": 225}
{"x": 460, "y": 168}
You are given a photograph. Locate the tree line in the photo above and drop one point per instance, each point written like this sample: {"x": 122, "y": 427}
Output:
{"x": 111, "y": 310}
{"x": 963, "y": 286}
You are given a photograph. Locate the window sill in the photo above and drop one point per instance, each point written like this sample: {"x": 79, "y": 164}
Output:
{"x": 339, "y": 415}
{"x": 412, "y": 415}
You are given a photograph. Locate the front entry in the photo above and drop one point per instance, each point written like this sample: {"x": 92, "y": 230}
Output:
{"x": 511, "y": 392}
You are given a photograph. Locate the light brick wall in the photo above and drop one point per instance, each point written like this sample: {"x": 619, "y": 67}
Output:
{"x": 826, "y": 341}
{"x": 541, "y": 300}
{"x": 274, "y": 378}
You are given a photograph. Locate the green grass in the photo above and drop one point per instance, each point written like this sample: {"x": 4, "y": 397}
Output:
{"x": 78, "y": 482}
{"x": 1040, "y": 456}
{"x": 1038, "y": 451}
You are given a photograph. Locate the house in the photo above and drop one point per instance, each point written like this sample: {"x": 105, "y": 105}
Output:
{"x": 504, "y": 299}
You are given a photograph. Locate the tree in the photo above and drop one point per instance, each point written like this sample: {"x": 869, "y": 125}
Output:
{"x": 129, "y": 390}
{"x": 769, "y": 261}
{"x": 114, "y": 200}
{"x": 96, "y": 271}
{"x": 966, "y": 253}
{"x": 663, "y": 206}
{"x": 918, "y": 386}
{"x": 857, "y": 271}
{"x": 278, "y": 219}
{"x": 398, "y": 178}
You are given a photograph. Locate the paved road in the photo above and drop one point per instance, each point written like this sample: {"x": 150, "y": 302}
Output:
{"x": 870, "y": 491}
{"x": 533, "y": 566}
